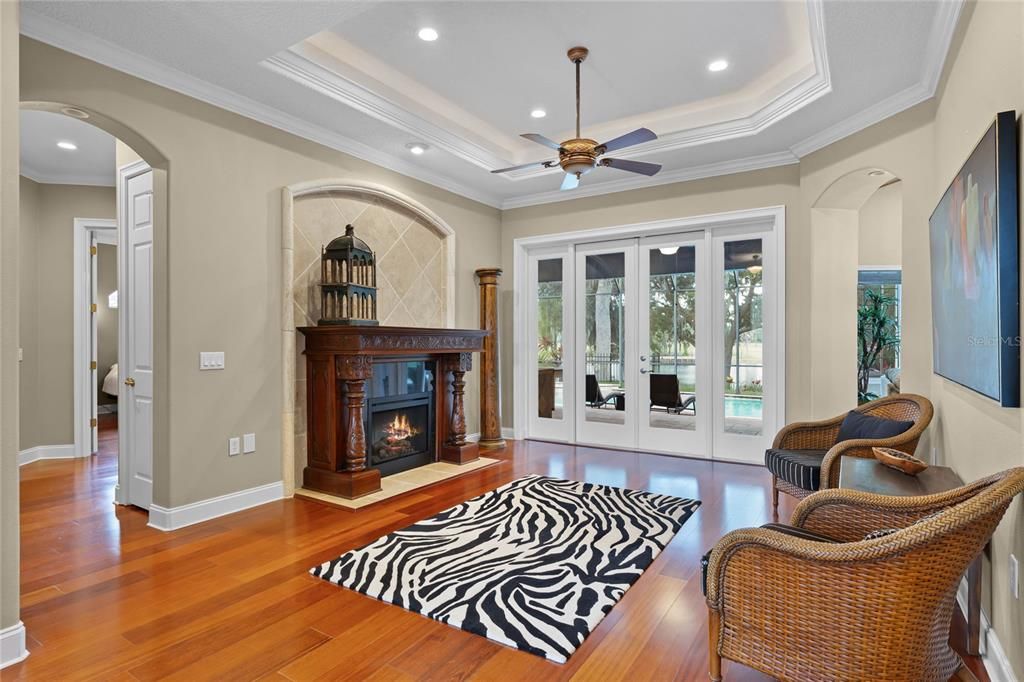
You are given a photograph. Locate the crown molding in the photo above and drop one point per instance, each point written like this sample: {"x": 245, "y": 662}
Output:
{"x": 296, "y": 64}
{"x": 708, "y": 170}
{"x": 43, "y": 178}
{"x": 939, "y": 40}
{"x": 64, "y": 37}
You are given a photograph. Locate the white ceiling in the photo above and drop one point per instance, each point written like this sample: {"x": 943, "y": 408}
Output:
{"x": 43, "y": 161}
{"x": 354, "y": 76}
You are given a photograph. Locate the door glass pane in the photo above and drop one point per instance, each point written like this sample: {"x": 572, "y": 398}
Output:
{"x": 744, "y": 337}
{"x": 549, "y": 339}
{"x": 673, "y": 338}
{"x": 604, "y": 338}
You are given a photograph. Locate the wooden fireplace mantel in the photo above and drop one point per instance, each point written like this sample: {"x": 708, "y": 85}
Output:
{"x": 339, "y": 360}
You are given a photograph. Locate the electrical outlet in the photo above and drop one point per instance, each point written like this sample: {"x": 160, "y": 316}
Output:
{"x": 234, "y": 446}
{"x": 249, "y": 443}
{"x": 1014, "y": 577}
{"x": 211, "y": 360}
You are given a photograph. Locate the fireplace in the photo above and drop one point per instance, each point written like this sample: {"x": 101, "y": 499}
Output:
{"x": 354, "y": 374}
{"x": 400, "y": 415}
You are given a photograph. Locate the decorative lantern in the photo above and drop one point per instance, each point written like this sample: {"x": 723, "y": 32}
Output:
{"x": 348, "y": 282}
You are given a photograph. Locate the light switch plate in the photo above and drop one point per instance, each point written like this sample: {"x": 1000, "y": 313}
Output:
{"x": 211, "y": 360}
{"x": 234, "y": 446}
{"x": 249, "y": 443}
{"x": 1014, "y": 577}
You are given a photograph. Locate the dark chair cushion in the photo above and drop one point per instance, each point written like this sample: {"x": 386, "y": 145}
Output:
{"x": 857, "y": 425}
{"x": 778, "y": 527}
{"x": 801, "y": 468}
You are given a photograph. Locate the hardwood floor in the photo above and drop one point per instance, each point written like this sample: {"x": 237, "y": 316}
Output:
{"x": 106, "y": 597}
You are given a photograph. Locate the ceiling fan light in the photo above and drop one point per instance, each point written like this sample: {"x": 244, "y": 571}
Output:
{"x": 577, "y": 168}
{"x": 668, "y": 250}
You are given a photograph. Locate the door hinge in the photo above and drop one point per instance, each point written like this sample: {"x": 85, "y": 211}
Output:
{"x": 93, "y": 422}
{"x": 92, "y": 365}
{"x": 92, "y": 308}
{"x": 92, "y": 250}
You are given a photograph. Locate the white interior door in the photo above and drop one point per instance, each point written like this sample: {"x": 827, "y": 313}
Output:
{"x": 675, "y": 342}
{"x": 606, "y": 360}
{"x": 135, "y": 310}
{"x": 550, "y": 366}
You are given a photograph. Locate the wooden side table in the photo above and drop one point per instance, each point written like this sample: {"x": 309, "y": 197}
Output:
{"x": 872, "y": 476}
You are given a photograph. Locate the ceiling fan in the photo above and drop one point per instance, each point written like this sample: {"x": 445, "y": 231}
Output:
{"x": 580, "y": 155}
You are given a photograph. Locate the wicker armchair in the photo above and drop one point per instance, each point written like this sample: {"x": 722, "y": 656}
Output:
{"x": 821, "y": 435}
{"x": 857, "y": 609}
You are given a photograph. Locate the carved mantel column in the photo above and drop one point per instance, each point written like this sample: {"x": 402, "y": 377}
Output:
{"x": 456, "y": 449}
{"x": 490, "y": 390}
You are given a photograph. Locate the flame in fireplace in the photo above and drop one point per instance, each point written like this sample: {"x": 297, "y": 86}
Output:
{"x": 399, "y": 428}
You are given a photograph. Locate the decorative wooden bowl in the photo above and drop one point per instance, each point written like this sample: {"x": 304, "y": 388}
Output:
{"x": 900, "y": 461}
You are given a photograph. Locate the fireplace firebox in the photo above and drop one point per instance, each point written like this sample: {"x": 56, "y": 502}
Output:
{"x": 400, "y": 415}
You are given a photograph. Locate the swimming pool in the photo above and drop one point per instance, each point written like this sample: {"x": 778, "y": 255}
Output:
{"x": 736, "y": 406}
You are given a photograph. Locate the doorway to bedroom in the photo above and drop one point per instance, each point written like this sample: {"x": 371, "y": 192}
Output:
{"x": 96, "y": 335}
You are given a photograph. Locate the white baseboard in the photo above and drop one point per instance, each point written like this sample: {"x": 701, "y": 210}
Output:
{"x": 12, "y": 645}
{"x": 174, "y": 518}
{"x": 993, "y": 655}
{"x": 46, "y": 452}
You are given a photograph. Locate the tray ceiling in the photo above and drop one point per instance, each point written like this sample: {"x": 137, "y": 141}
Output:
{"x": 356, "y": 77}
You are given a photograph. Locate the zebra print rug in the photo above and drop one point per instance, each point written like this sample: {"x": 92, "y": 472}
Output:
{"x": 535, "y": 564}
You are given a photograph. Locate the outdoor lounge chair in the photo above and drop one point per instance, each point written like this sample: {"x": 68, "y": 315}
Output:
{"x": 665, "y": 393}
{"x": 595, "y": 398}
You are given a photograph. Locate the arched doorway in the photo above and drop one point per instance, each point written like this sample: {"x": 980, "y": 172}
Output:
{"x": 142, "y": 316}
{"x": 856, "y": 261}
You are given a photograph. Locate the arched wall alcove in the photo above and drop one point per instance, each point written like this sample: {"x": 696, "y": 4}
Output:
{"x": 160, "y": 165}
{"x": 415, "y": 250}
{"x": 836, "y": 228}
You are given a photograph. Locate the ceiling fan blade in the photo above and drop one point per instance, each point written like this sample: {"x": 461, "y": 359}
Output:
{"x": 641, "y": 167}
{"x": 571, "y": 181}
{"x": 535, "y": 164}
{"x": 540, "y": 139}
{"x": 638, "y": 136}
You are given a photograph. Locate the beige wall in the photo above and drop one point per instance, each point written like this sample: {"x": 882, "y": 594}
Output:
{"x": 972, "y": 433}
{"x": 223, "y": 283}
{"x": 46, "y": 306}
{"x": 880, "y": 237}
{"x": 9, "y": 180}
{"x": 106, "y": 317}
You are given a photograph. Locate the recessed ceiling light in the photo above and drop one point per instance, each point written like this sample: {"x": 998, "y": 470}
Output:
{"x": 876, "y": 173}
{"x": 718, "y": 65}
{"x": 538, "y": 113}
{"x": 70, "y": 146}
{"x": 416, "y": 148}
{"x": 74, "y": 112}
{"x": 428, "y": 34}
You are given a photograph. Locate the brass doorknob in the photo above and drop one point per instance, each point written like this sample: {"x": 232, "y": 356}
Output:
{"x": 129, "y": 382}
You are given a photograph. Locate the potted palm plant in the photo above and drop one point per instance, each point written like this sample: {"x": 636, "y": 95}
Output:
{"x": 877, "y": 332}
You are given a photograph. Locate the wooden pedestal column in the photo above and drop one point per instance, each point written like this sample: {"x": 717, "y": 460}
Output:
{"x": 490, "y": 405}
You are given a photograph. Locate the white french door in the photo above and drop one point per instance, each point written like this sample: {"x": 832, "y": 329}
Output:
{"x": 674, "y": 333}
{"x": 667, "y": 343}
{"x": 605, "y": 343}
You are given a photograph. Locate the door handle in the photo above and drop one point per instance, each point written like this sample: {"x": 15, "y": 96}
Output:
{"x": 643, "y": 370}
{"x": 643, "y": 358}
{"x": 129, "y": 382}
